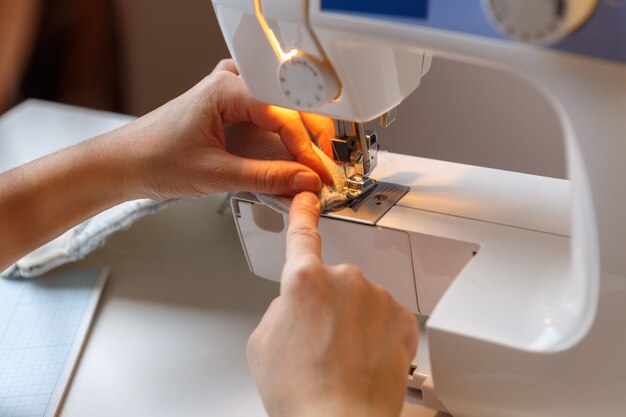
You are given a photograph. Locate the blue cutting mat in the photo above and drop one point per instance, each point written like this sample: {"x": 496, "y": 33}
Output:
{"x": 43, "y": 324}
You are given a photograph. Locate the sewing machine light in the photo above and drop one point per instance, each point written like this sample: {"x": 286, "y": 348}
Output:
{"x": 306, "y": 81}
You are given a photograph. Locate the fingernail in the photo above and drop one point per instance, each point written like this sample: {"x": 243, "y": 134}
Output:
{"x": 306, "y": 181}
{"x": 308, "y": 199}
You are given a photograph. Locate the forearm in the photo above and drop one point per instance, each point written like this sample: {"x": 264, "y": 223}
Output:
{"x": 178, "y": 150}
{"x": 41, "y": 200}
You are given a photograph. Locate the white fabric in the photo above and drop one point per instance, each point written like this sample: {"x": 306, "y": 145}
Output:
{"x": 83, "y": 239}
{"x": 332, "y": 196}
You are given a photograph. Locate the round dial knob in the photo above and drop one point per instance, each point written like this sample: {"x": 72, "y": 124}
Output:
{"x": 540, "y": 21}
{"x": 307, "y": 83}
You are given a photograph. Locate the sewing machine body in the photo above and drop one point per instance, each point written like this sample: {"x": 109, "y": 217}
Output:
{"x": 532, "y": 324}
{"x": 457, "y": 221}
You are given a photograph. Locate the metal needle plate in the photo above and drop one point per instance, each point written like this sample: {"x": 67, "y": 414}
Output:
{"x": 373, "y": 205}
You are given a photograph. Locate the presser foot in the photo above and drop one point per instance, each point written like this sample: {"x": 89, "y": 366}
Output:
{"x": 373, "y": 201}
{"x": 358, "y": 185}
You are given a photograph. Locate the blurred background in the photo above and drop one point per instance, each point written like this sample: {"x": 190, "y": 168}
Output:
{"x": 131, "y": 56}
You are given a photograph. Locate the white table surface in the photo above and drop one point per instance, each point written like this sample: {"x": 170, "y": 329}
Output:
{"x": 170, "y": 335}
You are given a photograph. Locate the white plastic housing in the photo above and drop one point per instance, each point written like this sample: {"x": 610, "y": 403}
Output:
{"x": 415, "y": 268}
{"x": 440, "y": 237}
{"x": 523, "y": 330}
{"x": 374, "y": 76}
{"x": 419, "y": 248}
{"x": 384, "y": 254}
{"x": 539, "y": 21}
{"x": 490, "y": 357}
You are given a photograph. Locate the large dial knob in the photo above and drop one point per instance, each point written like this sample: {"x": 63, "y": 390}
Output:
{"x": 307, "y": 82}
{"x": 540, "y": 21}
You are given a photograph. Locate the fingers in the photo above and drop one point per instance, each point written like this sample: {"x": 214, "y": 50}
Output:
{"x": 303, "y": 239}
{"x": 226, "y": 65}
{"x": 271, "y": 177}
{"x": 237, "y": 105}
{"x": 295, "y": 138}
{"x": 322, "y": 128}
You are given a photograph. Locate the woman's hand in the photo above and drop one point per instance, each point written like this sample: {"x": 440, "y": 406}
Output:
{"x": 180, "y": 149}
{"x": 332, "y": 344}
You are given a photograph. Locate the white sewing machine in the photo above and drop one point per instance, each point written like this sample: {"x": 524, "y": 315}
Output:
{"x": 523, "y": 278}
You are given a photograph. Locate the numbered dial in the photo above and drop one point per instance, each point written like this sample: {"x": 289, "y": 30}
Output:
{"x": 307, "y": 83}
{"x": 540, "y": 21}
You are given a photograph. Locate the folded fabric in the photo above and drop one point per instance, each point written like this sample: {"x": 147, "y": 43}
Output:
{"x": 332, "y": 196}
{"x": 243, "y": 140}
{"x": 83, "y": 239}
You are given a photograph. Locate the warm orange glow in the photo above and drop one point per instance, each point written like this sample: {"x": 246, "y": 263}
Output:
{"x": 290, "y": 54}
{"x": 271, "y": 37}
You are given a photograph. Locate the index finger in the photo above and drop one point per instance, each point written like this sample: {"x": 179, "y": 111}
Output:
{"x": 303, "y": 238}
{"x": 238, "y": 105}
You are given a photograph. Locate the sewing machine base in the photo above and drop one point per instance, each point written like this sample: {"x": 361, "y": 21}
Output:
{"x": 461, "y": 243}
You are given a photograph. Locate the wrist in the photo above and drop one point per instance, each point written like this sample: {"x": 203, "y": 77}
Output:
{"x": 342, "y": 409}
{"x": 122, "y": 166}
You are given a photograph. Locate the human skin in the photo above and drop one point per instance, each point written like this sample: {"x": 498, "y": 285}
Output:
{"x": 178, "y": 150}
{"x": 332, "y": 344}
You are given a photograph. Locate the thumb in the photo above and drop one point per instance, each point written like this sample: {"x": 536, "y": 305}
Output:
{"x": 271, "y": 177}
